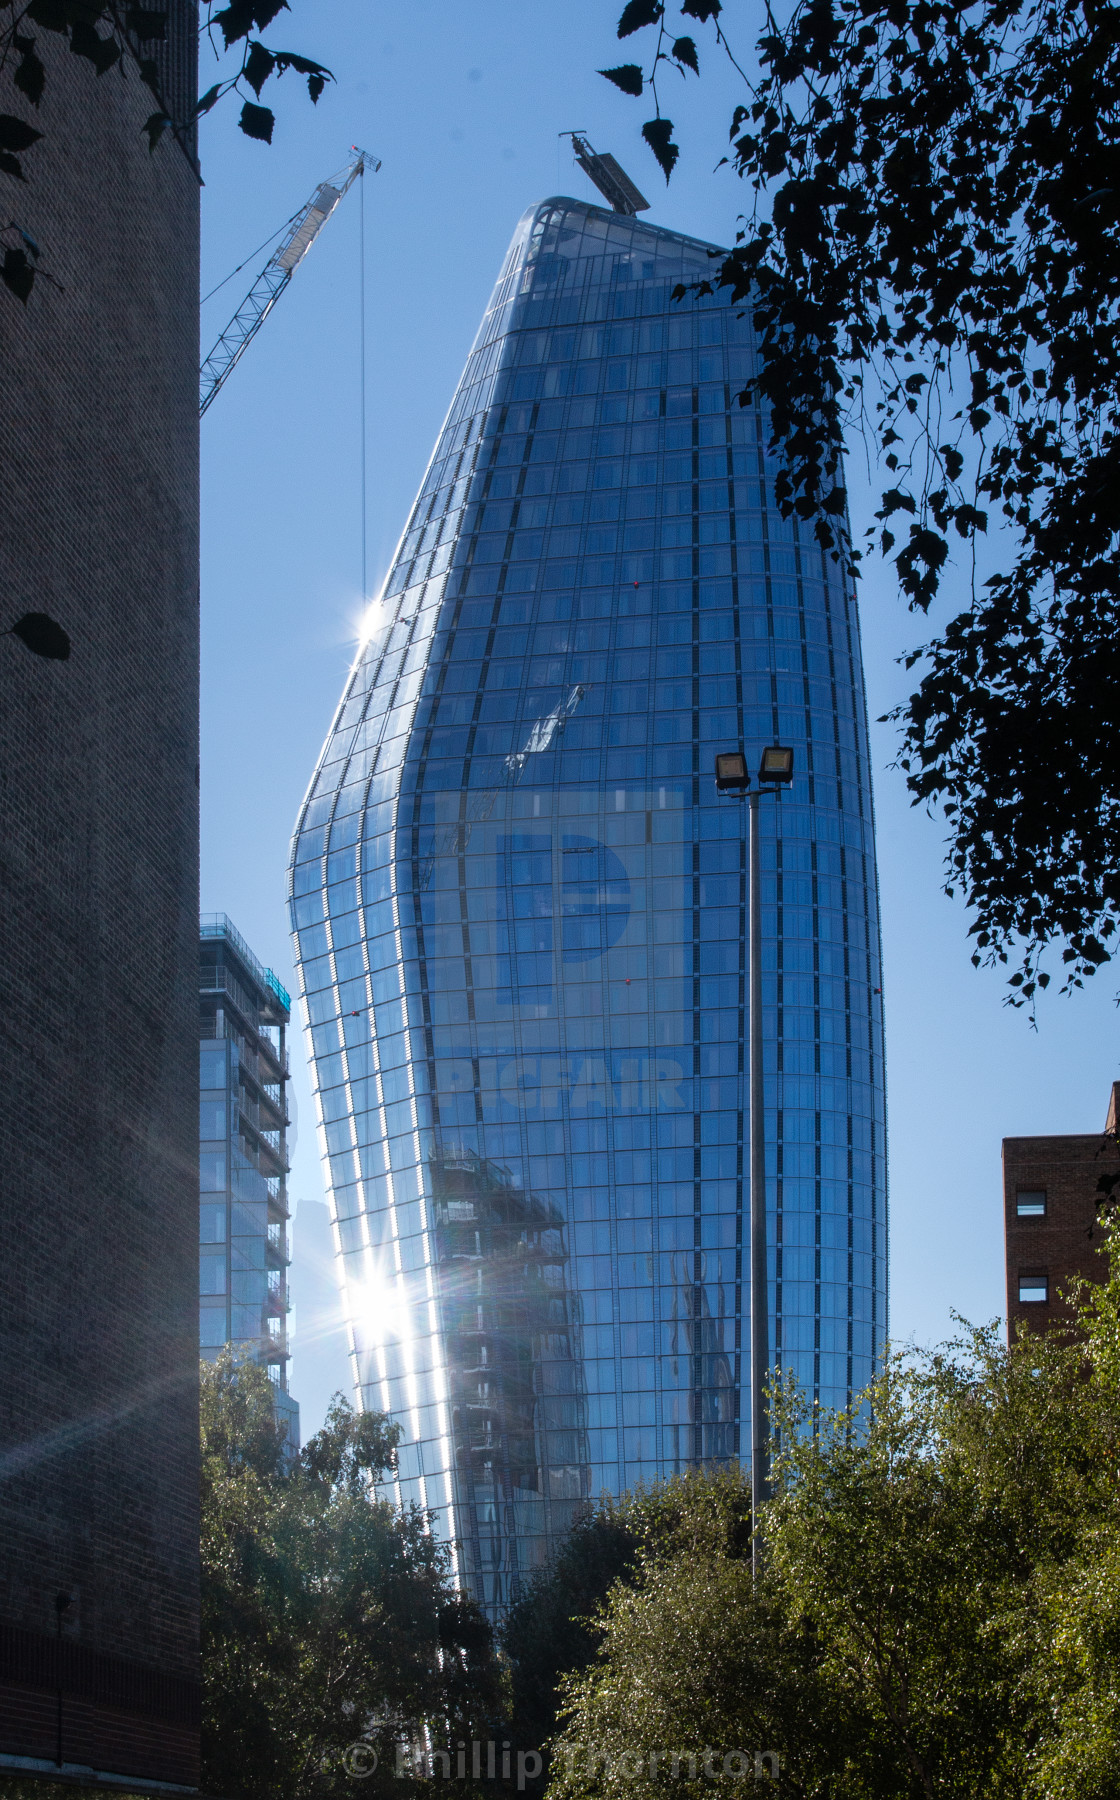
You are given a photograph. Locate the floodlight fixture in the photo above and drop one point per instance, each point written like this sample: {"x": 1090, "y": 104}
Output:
{"x": 731, "y": 772}
{"x": 776, "y": 764}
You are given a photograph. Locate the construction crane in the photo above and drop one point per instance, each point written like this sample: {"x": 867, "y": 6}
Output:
{"x": 266, "y": 290}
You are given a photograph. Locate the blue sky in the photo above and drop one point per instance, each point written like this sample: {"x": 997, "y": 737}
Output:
{"x": 464, "y": 106}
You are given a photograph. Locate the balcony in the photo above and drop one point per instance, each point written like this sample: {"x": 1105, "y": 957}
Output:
{"x": 218, "y": 925}
{"x": 267, "y": 1067}
{"x": 262, "y": 1148}
{"x": 267, "y": 1120}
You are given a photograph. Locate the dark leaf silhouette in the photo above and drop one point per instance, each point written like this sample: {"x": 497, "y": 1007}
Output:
{"x": 27, "y": 242}
{"x": 257, "y": 122}
{"x": 303, "y": 65}
{"x": 42, "y": 635}
{"x": 317, "y": 75}
{"x": 259, "y": 65}
{"x": 17, "y": 273}
{"x": 638, "y": 13}
{"x": 236, "y": 21}
{"x": 102, "y": 52}
{"x": 108, "y": 35}
{"x": 685, "y": 52}
{"x": 155, "y": 125}
{"x": 264, "y": 11}
{"x": 146, "y": 24}
{"x": 628, "y": 77}
{"x": 60, "y": 15}
{"x": 658, "y": 134}
{"x": 16, "y": 134}
{"x": 30, "y": 75}
{"x": 933, "y": 257}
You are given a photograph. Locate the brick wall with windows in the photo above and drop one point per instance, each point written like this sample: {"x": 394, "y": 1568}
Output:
{"x": 98, "y": 994}
{"x": 1051, "y": 1220}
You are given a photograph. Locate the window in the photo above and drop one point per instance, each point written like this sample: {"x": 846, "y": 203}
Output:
{"x": 212, "y": 1275}
{"x": 1030, "y": 1203}
{"x": 212, "y": 1225}
{"x": 212, "y": 1116}
{"x": 1034, "y": 1287}
{"x": 211, "y": 1326}
{"x": 211, "y": 1171}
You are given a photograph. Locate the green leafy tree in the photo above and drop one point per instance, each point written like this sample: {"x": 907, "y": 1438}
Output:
{"x": 552, "y": 1630}
{"x": 938, "y": 1614}
{"x": 1035, "y": 1430}
{"x": 861, "y": 1661}
{"x": 932, "y": 255}
{"x": 329, "y": 1617}
{"x": 877, "y": 1546}
{"x": 699, "y": 1675}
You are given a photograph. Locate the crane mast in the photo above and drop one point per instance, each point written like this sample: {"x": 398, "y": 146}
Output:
{"x": 274, "y": 278}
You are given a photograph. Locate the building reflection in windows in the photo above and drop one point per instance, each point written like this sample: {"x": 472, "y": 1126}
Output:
{"x": 517, "y": 1401}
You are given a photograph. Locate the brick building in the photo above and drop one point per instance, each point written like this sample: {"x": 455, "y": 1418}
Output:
{"x": 1051, "y": 1219}
{"x": 98, "y": 967}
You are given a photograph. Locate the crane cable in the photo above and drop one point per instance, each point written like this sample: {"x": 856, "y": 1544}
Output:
{"x": 251, "y": 256}
{"x": 362, "y": 356}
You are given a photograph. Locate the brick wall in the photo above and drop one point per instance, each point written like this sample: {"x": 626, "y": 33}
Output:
{"x": 98, "y": 936}
{"x": 1047, "y": 1250}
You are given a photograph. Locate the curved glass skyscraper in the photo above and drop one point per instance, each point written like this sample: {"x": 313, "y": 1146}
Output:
{"x": 521, "y": 925}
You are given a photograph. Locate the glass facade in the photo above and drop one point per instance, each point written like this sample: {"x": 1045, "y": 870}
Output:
{"x": 243, "y": 1159}
{"x": 520, "y": 916}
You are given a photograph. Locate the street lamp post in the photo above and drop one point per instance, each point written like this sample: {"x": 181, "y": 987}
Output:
{"x": 732, "y": 777}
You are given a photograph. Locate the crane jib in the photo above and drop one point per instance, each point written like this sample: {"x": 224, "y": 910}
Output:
{"x": 308, "y": 228}
{"x": 274, "y": 278}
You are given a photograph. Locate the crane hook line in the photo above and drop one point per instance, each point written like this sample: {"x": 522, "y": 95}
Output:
{"x": 362, "y": 358}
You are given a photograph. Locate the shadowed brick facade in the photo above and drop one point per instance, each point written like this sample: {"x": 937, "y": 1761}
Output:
{"x": 98, "y": 971}
{"x": 1051, "y": 1221}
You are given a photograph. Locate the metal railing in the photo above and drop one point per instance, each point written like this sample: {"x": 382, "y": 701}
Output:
{"x": 259, "y": 1067}
{"x": 220, "y": 925}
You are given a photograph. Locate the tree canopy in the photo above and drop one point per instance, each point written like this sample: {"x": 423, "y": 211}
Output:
{"x": 550, "y": 1632}
{"x": 939, "y": 1614}
{"x": 329, "y": 1617}
{"x": 932, "y": 254}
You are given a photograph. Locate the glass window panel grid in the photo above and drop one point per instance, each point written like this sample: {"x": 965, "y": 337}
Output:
{"x": 554, "y": 1063}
